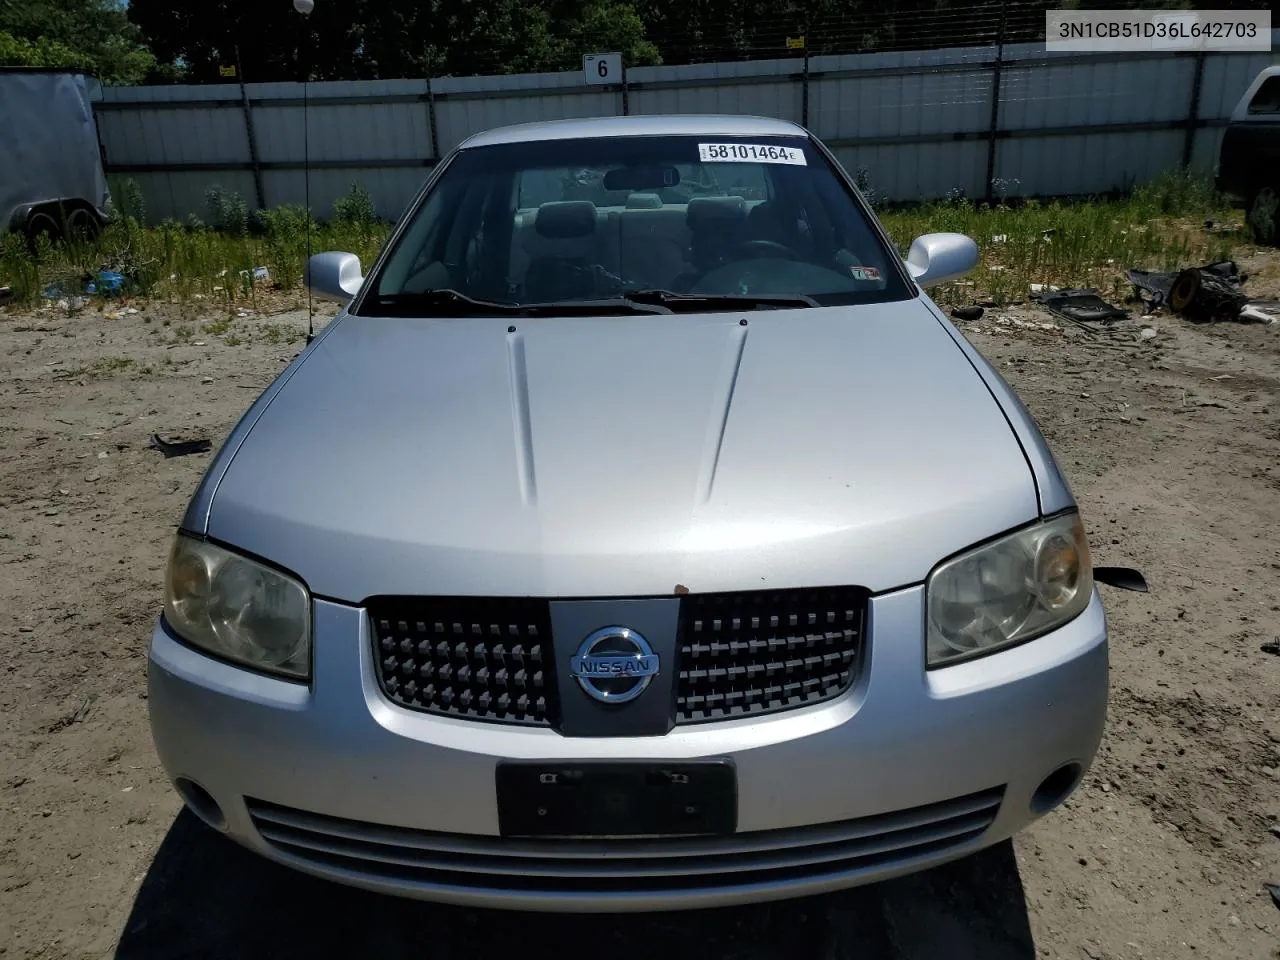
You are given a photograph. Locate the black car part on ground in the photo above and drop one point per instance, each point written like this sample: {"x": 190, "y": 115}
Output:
{"x": 1124, "y": 578}
{"x": 1200, "y": 293}
{"x": 1207, "y": 292}
{"x": 178, "y": 448}
{"x": 1081, "y": 306}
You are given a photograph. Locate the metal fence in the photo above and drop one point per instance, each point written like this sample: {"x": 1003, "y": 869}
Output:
{"x": 1014, "y": 120}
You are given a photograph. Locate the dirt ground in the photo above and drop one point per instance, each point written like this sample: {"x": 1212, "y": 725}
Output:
{"x": 1172, "y": 443}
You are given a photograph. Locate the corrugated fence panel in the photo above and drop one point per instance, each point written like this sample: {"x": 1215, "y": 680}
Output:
{"x": 917, "y": 121}
{"x": 762, "y": 88}
{"x": 390, "y": 188}
{"x": 781, "y": 100}
{"x": 1085, "y": 163}
{"x": 180, "y": 194}
{"x": 1076, "y": 94}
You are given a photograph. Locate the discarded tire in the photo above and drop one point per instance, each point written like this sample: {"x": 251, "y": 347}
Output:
{"x": 1198, "y": 294}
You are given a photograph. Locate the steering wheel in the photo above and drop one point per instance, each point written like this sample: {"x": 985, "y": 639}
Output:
{"x": 755, "y": 249}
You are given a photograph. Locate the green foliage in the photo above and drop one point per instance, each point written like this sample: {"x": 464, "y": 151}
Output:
{"x": 90, "y": 35}
{"x": 1159, "y": 226}
{"x": 227, "y": 211}
{"x": 862, "y": 180}
{"x": 127, "y": 200}
{"x": 1180, "y": 192}
{"x": 356, "y": 208}
{"x": 42, "y": 52}
{"x": 1262, "y": 217}
{"x": 1080, "y": 244}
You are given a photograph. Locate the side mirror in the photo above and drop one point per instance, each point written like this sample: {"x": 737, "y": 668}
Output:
{"x": 334, "y": 276}
{"x": 939, "y": 257}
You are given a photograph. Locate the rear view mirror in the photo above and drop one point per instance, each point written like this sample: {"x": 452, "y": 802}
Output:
{"x": 334, "y": 276}
{"x": 939, "y": 257}
{"x": 635, "y": 179}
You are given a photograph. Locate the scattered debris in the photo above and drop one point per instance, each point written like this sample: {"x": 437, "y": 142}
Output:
{"x": 1083, "y": 307}
{"x": 1037, "y": 288}
{"x": 178, "y": 448}
{"x": 107, "y": 281}
{"x": 967, "y": 313}
{"x": 1149, "y": 333}
{"x": 1272, "y": 646}
{"x": 1202, "y": 293}
{"x": 1209, "y": 292}
{"x": 1261, "y": 311}
{"x": 1274, "y": 890}
{"x": 6, "y": 295}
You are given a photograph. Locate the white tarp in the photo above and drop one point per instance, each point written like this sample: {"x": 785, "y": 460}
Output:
{"x": 48, "y": 142}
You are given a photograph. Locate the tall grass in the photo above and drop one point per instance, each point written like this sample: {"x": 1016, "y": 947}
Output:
{"x": 181, "y": 262}
{"x": 1159, "y": 225}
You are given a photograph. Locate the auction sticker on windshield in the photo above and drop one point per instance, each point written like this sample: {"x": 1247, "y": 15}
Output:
{"x": 750, "y": 153}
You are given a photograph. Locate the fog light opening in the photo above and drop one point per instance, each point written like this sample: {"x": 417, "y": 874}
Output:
{"x": 1055, "y": 788}
{"x": 201, "y": 803}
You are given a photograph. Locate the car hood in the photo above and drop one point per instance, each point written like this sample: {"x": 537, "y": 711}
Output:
{"x": 625, "y": 456}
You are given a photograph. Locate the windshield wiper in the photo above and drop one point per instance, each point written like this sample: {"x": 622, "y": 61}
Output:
{"x": 693, "y": 302}
{"x": 447, "y": 302}
{"x": 444, "y": 303}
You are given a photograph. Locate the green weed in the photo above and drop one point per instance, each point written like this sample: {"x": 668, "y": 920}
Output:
{"x": 1159, "y": 225}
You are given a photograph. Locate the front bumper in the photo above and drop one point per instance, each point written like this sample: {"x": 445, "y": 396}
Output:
{"x": 909, "y": 769}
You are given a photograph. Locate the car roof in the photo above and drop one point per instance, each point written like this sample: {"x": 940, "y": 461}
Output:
{"x": 710, "y": 125}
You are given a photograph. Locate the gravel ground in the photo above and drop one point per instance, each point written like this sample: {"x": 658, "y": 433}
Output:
{"x": 1172, "y": 444}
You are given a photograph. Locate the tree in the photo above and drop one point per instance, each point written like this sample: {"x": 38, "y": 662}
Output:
{"x": 90, "y": 35}
{"x": 17, "y": 52}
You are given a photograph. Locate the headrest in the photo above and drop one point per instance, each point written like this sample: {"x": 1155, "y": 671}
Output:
{"x": 566, "y": 219}
{"x": 644, "y": 201}
{"x": 715, "y": 211}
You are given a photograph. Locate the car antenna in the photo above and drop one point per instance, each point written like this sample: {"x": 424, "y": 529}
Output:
{"x": 305, "y": 7}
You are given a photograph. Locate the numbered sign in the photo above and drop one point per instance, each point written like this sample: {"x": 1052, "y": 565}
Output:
{"x": 601, "y": 68}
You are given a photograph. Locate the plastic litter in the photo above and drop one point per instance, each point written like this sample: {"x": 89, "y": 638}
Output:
{"x": 1261, "y": 311}
{"x": 967, "y": 313}
{"x": 107, "y": 281}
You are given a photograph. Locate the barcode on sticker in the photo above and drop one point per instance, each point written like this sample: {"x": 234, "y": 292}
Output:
{"x": 750, "y": 153}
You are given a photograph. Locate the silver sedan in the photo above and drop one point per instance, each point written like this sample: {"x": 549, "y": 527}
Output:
{"x": 639, "y": 535}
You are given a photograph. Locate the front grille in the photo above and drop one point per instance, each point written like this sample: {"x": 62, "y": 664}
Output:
{"x": 476, "y": 657}
{"x": 761, "y": 652}
{"x": 440, "y": 862}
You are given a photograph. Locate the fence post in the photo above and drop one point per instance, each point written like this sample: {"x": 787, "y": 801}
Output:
{"x": 626, "y": 102}
{"x": 994, "y": 127}
{"x": 1193, "y": 111}
{"x": 804, "y": 89}
{"x": 432, "y": 137}
{"x": 250, "y": 135}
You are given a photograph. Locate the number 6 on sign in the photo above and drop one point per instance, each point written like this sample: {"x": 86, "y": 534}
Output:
{"x": 602, "y": 68}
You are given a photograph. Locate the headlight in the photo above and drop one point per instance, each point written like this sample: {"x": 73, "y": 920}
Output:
{"x": 1008, "y": 591}
{"x": 238, "y": 609}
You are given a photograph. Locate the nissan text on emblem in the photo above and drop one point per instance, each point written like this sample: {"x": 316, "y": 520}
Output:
{"x": 614, "y": 664}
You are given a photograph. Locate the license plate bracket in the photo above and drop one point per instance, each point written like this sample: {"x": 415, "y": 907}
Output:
{"x": 610, "y": 799}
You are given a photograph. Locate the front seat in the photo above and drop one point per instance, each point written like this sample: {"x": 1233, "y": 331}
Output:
{"x": 716, "y": 226}
{"x": 562, "y": 252}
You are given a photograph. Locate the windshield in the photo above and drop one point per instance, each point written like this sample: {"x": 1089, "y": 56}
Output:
{"x": 573, "y": 221}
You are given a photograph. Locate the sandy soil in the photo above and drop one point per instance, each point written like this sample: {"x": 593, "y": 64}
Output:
{"x": 1172, "y": 444}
